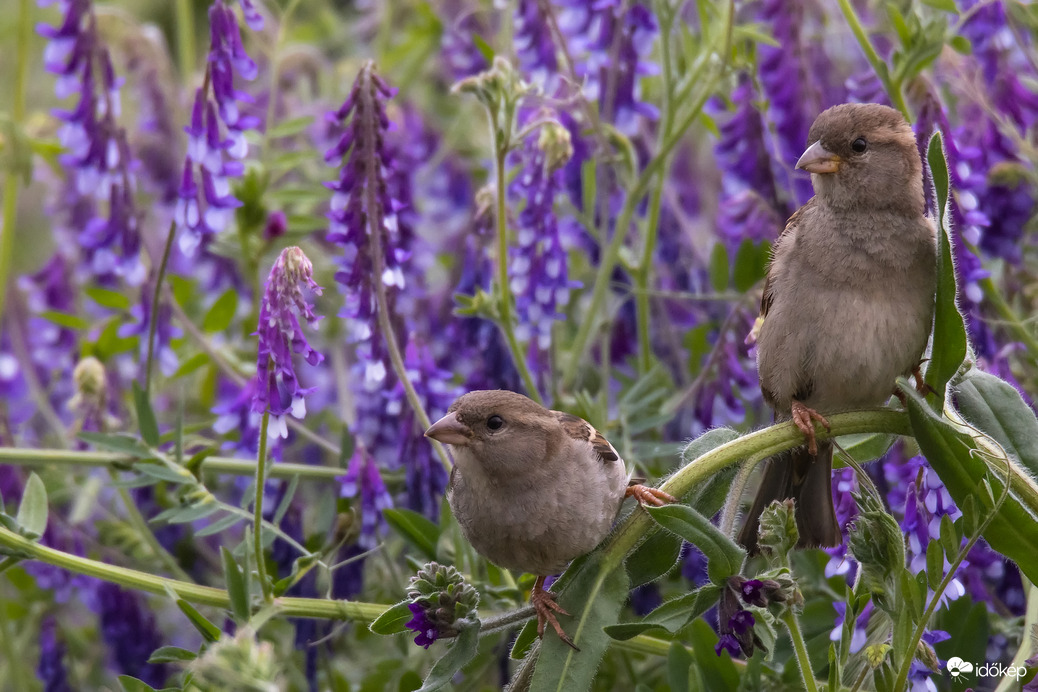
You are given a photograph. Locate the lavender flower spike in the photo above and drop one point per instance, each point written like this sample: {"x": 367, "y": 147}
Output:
{"x": 280, "y": 336}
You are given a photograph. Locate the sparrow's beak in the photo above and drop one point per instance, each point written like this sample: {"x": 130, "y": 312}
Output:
{"x": 450, "y": 431}
{"x": 818, "y": 159}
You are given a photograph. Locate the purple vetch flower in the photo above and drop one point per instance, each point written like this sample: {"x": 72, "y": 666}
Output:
{"x": 97, "y": 155}
{"x": 533, "y": 40}
{"x": 858, "y": 634}
{"x": 363, "y": 482}
{"x": 280, "y": 335}
{"x": 216, "y": 132}
{"x": 729, "y": 643}
{"x": 51, "y": 670}
{"x": 128, "y": 628}
{"x": 365, "y": 221}
{"x": 252, "y": 15}
{"x": 783, "y": 77}
{"x": 420, "y": 623}
{"x": 750, "y": 205}
{"x": 539, "y": 276}
{"x": 460, "y": 52}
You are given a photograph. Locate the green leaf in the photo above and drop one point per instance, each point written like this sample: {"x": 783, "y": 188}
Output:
{"x": 118, "y": 442}
{"x": 718, "y": 671}
{"x": 108, "y": 299}
{"x": 145, "y": 416}
{"x": 594, "y": 596}
{"x": 208, "y": 630}
{"x": 963, "y": 467}
{"x": 393, "y": 619}
{"x": 679, "y": 661}
{"x": 671, "y": 615}
{"x": 219, "y": 525}
{"x": 751, "y": 261}
{"x": 724, "y": 556}
{"x": 994, "y": 406}
{"x": 719, "y": 267}
{"x": 946, "y": 5}
{"x": 32, "y": 512}
{"x": 132, "y": 684}
{"x": 866, "y": 447}
{"x": 949, "y": 331}
{"x": 237, "y": 586}
{"x": 163, "y": 473}
{"x": 417, "y": 529}
{"x": 651, "y": 560}
{"x": 171, "y": 654}
{"x": 461, "y": 651}
{"x": 221, "y": 314}
{"x": 63, "y": 319}
{"x": 292, "y": 126}
{"x": 935, "y": 563}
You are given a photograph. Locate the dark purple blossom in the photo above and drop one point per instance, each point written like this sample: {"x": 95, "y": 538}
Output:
{"x": 128, "y": 628}
{"x": 427, "y": 632}
{"x": 364, "y": 483}
{"x": 534, "y": 43}
{"x": 858, "y": 633}
{"x": 729, "y": 643}
{"x": 280, "y": 336}
{"x": 459, "y": 49}
{"x": 97, "y": 155}
{"x": 51, "y": 670}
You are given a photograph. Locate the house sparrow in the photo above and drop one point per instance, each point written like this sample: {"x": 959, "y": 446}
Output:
{"x": 532, "y": 488}
{"x": 848, "y": 299}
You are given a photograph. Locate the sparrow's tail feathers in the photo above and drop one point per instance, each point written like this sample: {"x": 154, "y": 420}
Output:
{"x": 808, "y": 480}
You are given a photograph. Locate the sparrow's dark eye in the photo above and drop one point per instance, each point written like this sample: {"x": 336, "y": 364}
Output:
{"x": 495, "y": 422}
{"x": 859, "y": 145}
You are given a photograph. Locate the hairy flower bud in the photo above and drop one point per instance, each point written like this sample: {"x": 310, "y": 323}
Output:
{"x": 442, "y": 603}
{"x": 778, "y": 528}
{"x": 238, "y": 663}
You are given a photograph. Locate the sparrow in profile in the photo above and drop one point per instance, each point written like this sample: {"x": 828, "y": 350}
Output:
{"x": 532, "y": 488}
{"x": 848, "y": 300}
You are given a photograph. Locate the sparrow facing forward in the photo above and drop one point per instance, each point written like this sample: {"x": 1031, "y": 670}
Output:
{"x": 848, "y": 299}
{"x": 531, "y": 488}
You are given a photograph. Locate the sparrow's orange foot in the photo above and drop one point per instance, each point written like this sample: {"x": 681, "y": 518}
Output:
{"x": 920, "y": 385}
{"x": 803, "y": 418}
{"x": 546, "y": 606}
{"x": 649, "y": 496}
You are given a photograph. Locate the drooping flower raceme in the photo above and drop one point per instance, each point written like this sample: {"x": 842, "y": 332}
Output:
{"x": 365, "y": 221}
{"x": 539, "y": 276}
{"x": 280, "y": 336}
{"x": 216, "y": 135}
{"x": 97, "y": 154}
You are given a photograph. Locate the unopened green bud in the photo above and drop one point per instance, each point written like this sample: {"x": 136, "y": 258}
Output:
{"x": 240, "y": 662}
{"x": 778, "y": 528}
{"x": 554, "y": 140}
{"x": 877, "y": 543}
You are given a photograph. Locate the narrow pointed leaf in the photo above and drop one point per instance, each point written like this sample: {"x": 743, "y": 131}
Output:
{"x": 32, "y": 512}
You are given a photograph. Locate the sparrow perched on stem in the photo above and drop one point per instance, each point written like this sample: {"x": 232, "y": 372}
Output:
{"x": 848, "y": 300}
{"x": 532, "y": 488}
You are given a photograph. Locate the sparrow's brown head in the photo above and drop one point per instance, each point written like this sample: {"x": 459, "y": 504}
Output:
{"x": 864, "y": 155}
{"x": 501, "y": 429}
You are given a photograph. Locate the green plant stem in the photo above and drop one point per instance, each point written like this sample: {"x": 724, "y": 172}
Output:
{"x": 223, "y": 465}
{"x": 644, "y": 272}
{"x": 501, "y": 134}
{"x": 878, "y": 66}
{"x": 1005, "y": 311}
{"x": 194, "y": 593}
{"x": 612, "y": 251}
{"x": 17, "y": 96}
{"x": 16, "y": 671}
{"x": 147, "y": 535}
{"x": 790, "y": 620}
{"x": 1027, "y": 646}
{"x": 185, "y": 32}
{"x": 762, "y": 443}
{"x": 257, "y": 510}
{"x": 153, "y": 322}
